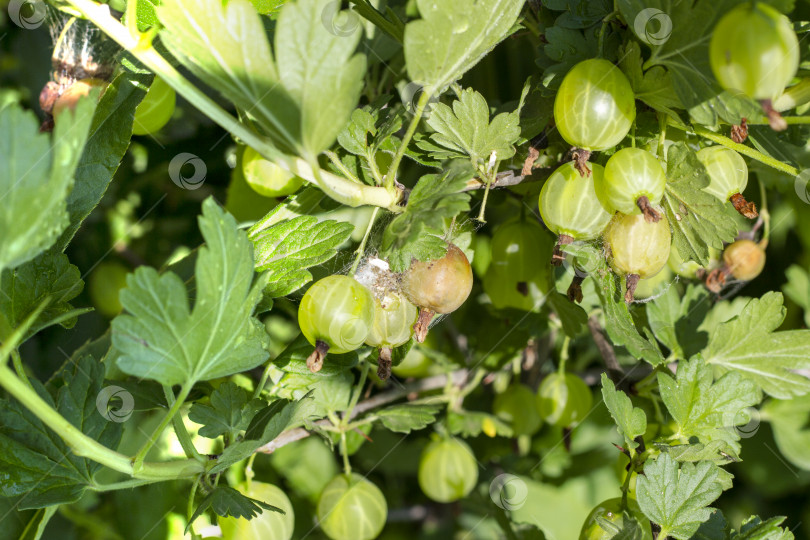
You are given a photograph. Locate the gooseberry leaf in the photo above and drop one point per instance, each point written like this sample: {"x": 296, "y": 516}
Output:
{"x": 287, "y": 248}
{"x": 302, "y": 97}
{"x": 435, "y": 198}
{"x": 265, "y": 426}
{"x": 675, "y": 320}
{"x": 698, "y": 219}
{"x": 754, "y": 528}
{"x": 108, "y": 141}
{"x": 678, "y": 35}
{"x": 619, "y": 323}
{"x": 226, "y": 501}
{"x": 22, "y": 290}
{"x": 465, "y": 130}
{"x": 790, "y": 420}
{"x": 653, "y": 87}
{"x": 631, "y": 421}
{"x": 36, "y": 175}
{"x": 230, "y": 411}
{"x": 407, "y": 418}
{"x": 797, "y": 289}
{"x": 677, "y": 497}
{"x": 452, "y": 36}
{"x": 471, "y": 424}
{"x": 707, "y": 409}
{"x": 751, "y": 345}
{"x": 159, "y": 338}
{"x": 36, "y": 462}
{"x": 564, "y": 48}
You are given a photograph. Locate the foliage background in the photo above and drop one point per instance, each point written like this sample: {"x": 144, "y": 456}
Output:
{"x": 145, "y": 219}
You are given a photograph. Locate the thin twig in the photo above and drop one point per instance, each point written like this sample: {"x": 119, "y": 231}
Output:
{"x": 423, "y": 385}
{"x": 615, "y": 371}
{"x": 505, "y": 179}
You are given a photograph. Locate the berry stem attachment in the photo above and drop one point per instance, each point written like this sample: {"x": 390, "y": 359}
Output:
{"x": 775, "y": 119}
{"x": 651, "y": 215}
{"x": 631, "y": 282}
{"x": 315, "y": 360}
{"x": 747, "y": 209}
{"x": 420, "y": 329}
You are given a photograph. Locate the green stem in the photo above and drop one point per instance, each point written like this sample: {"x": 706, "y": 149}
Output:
{"x": 790, "y": 120}
{"x": 356, "y": 397}
{"x": 489, "y": 179}
{"x": 125, "y": 484}
{"x": 564, "y": 353}
{"x": 84, "y": 446}
{"x": 424, "y": 99}
{"x": 18, "y": 366}
{"x": 361, "y": 249}
{"x": 602, "y": 31}
{"x": 174, "y": 408}
{"x": 371, "y": 14}
{"x": 190, "y": 505}
{"x": 180, "y": 428}
{"x": 347, "y": 467}
{"x": 333, "y": 157}
{"x": 341, "y": 189}
{"x": 741, "y": 148}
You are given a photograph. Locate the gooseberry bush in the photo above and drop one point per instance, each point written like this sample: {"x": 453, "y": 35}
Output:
{"x": 404, "y": 269}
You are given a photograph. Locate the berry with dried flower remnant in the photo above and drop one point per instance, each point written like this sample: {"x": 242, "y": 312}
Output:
{"x": 570, "y": 208}
{"x": 335, "y": 314}
{"x": 72, "y": 95}
{"x": 638, "y": 248}
{"x": 594, "y": 108}
{"x": 437, "y": 286}
{"x": 633, "y": 182}
{"x": 394, "y": 318}
{"x": 744, "y": 259}
{"x": 728, "y": 177}
{"x": 754, "y": 50}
